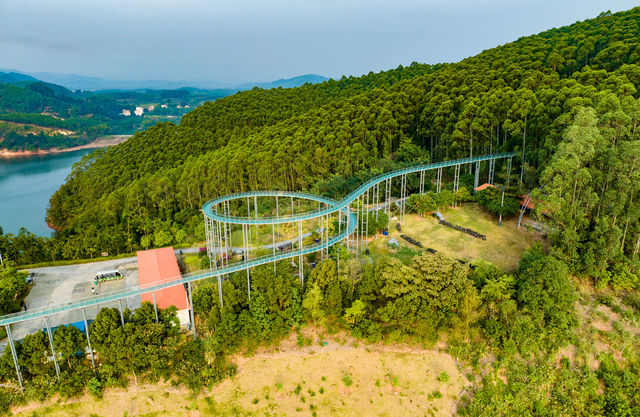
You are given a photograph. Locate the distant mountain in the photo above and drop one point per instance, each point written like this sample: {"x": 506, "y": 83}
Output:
{"x": 14, "y": 77}
{"x": 286, "y": 82}
{"x": 82, "y": 82}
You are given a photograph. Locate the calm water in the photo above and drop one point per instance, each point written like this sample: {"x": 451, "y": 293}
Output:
{"x": 26, "y": 184}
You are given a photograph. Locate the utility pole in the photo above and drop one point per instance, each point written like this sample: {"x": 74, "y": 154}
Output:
{"x": 501, "y": 205}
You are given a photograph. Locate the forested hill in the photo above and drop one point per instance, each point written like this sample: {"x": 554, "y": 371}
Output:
{"x": 545, "y": 92}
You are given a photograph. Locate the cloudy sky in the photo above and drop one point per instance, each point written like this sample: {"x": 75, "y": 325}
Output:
{"x": 256, "y": 40}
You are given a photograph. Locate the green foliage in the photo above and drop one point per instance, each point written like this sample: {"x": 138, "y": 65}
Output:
{"x": 313, "y": 303}
{"x": 68, "y": 342}
{"x": 444, "y": 377}
{"x": 192, "y": 368}
{"x": 410, "y": 152}
{"x": 275, "y": 307}
{"x": 95, "y": 387}
{"x": 355, "y": 315}
{"x": 544, "y": 289}
{"x": 422, "y": 204}
{"x": 35, "y": 351}
{"x": 412, "y": 300}
{"x": 589, "y": 188}
{"x": 12, "y": 283}
{"x": 463, "y": 195}
{"x": 537, "y": 388}
{"x": 491, "y": 199}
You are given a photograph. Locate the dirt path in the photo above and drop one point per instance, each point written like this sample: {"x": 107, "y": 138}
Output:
{"x": 331, "y": 375}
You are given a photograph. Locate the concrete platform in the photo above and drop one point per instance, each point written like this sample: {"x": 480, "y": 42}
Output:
{"x": 59, "y": 284}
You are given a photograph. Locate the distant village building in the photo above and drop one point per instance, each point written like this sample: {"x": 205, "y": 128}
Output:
{"x": 151, "y": 108}
{"x": 164, "y": 106}
{"x": 178, "y": 106}
{"x": 126, "y": 112}
{"x": 186, "y": 106}
{"x": 139, "y": 110}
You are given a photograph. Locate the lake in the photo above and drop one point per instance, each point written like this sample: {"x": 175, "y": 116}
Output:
{"x": 27, "y": 183}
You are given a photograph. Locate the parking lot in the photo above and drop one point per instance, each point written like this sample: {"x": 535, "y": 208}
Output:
{"x": 60, "y": 284}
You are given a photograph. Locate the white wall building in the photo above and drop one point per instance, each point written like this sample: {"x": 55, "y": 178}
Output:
{"x": 139, "y": 111}
{"x": 126, "y": 112}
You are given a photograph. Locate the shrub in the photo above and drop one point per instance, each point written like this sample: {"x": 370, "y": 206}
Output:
{"x": 95, "y": 387}
{"x": 443, "y": 377}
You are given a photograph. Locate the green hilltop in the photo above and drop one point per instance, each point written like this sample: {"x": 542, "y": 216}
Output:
{"x": 323, "y": 136}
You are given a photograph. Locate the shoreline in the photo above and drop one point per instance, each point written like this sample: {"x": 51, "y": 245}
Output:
{"x": 102, "y": 142}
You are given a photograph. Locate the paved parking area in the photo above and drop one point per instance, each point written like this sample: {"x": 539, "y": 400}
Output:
{"x": 60, "y": 284}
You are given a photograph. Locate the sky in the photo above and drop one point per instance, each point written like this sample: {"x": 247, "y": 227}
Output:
{"x": 235, "y": 41}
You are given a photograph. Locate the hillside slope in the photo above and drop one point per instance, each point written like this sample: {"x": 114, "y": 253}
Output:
{"x": 517, "y": 97}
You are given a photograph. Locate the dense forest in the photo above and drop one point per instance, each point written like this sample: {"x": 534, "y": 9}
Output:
{"x": 532, "y": 342}
{"x": 522, "y": 97}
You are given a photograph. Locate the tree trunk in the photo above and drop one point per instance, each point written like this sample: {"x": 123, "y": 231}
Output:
{"x": 524, "y": 146}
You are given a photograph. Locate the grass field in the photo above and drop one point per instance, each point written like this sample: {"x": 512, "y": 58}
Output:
{"x": 503, "y": 247}
{"x": 338, "y": 378}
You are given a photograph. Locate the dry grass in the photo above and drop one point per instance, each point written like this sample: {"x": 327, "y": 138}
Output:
{"x": 503, "y": 247}
{"x": 336, "y": 378}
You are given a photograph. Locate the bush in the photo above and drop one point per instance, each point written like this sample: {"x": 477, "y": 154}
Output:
{"x": 443, "y": 377}
{"x": 95, "y": 387}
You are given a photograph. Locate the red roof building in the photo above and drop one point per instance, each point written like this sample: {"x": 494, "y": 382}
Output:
{"x": 159, "y": 265}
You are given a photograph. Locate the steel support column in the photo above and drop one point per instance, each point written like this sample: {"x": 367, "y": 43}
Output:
{"x": 273, "y": 236}
{"x": 366, "y": 228}
{"x": 255, "y": 201}
{"x": 403, "y": 195}
{"x": 327, "y": 237}
{"x": 509, "y": 171}
{"x": 476, "y": 180}
{"x": 14, "y": 354}
{"x": 377, "y": 200}
{"x": 121, "y": 315}
{"x": 321, "y": 236}
{"x": 300, "y": 258}
{"x": 191, "y": 312}
{"x": 492, "y": 168}
{"x": 220, "y": 291}
{"x": 155, "y": 306}
{"x": 456, "y": 183}
{"x": 86, "y": 329}
{"x": 209, "y": 234}
{"x": 53, "y": 351}
{"x": 439, "y": 180}
{"x": 246, "y": 257}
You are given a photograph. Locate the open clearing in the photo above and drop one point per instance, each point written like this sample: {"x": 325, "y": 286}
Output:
{"x": 324, "y": 380}
{"x": 503, "y": 247}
